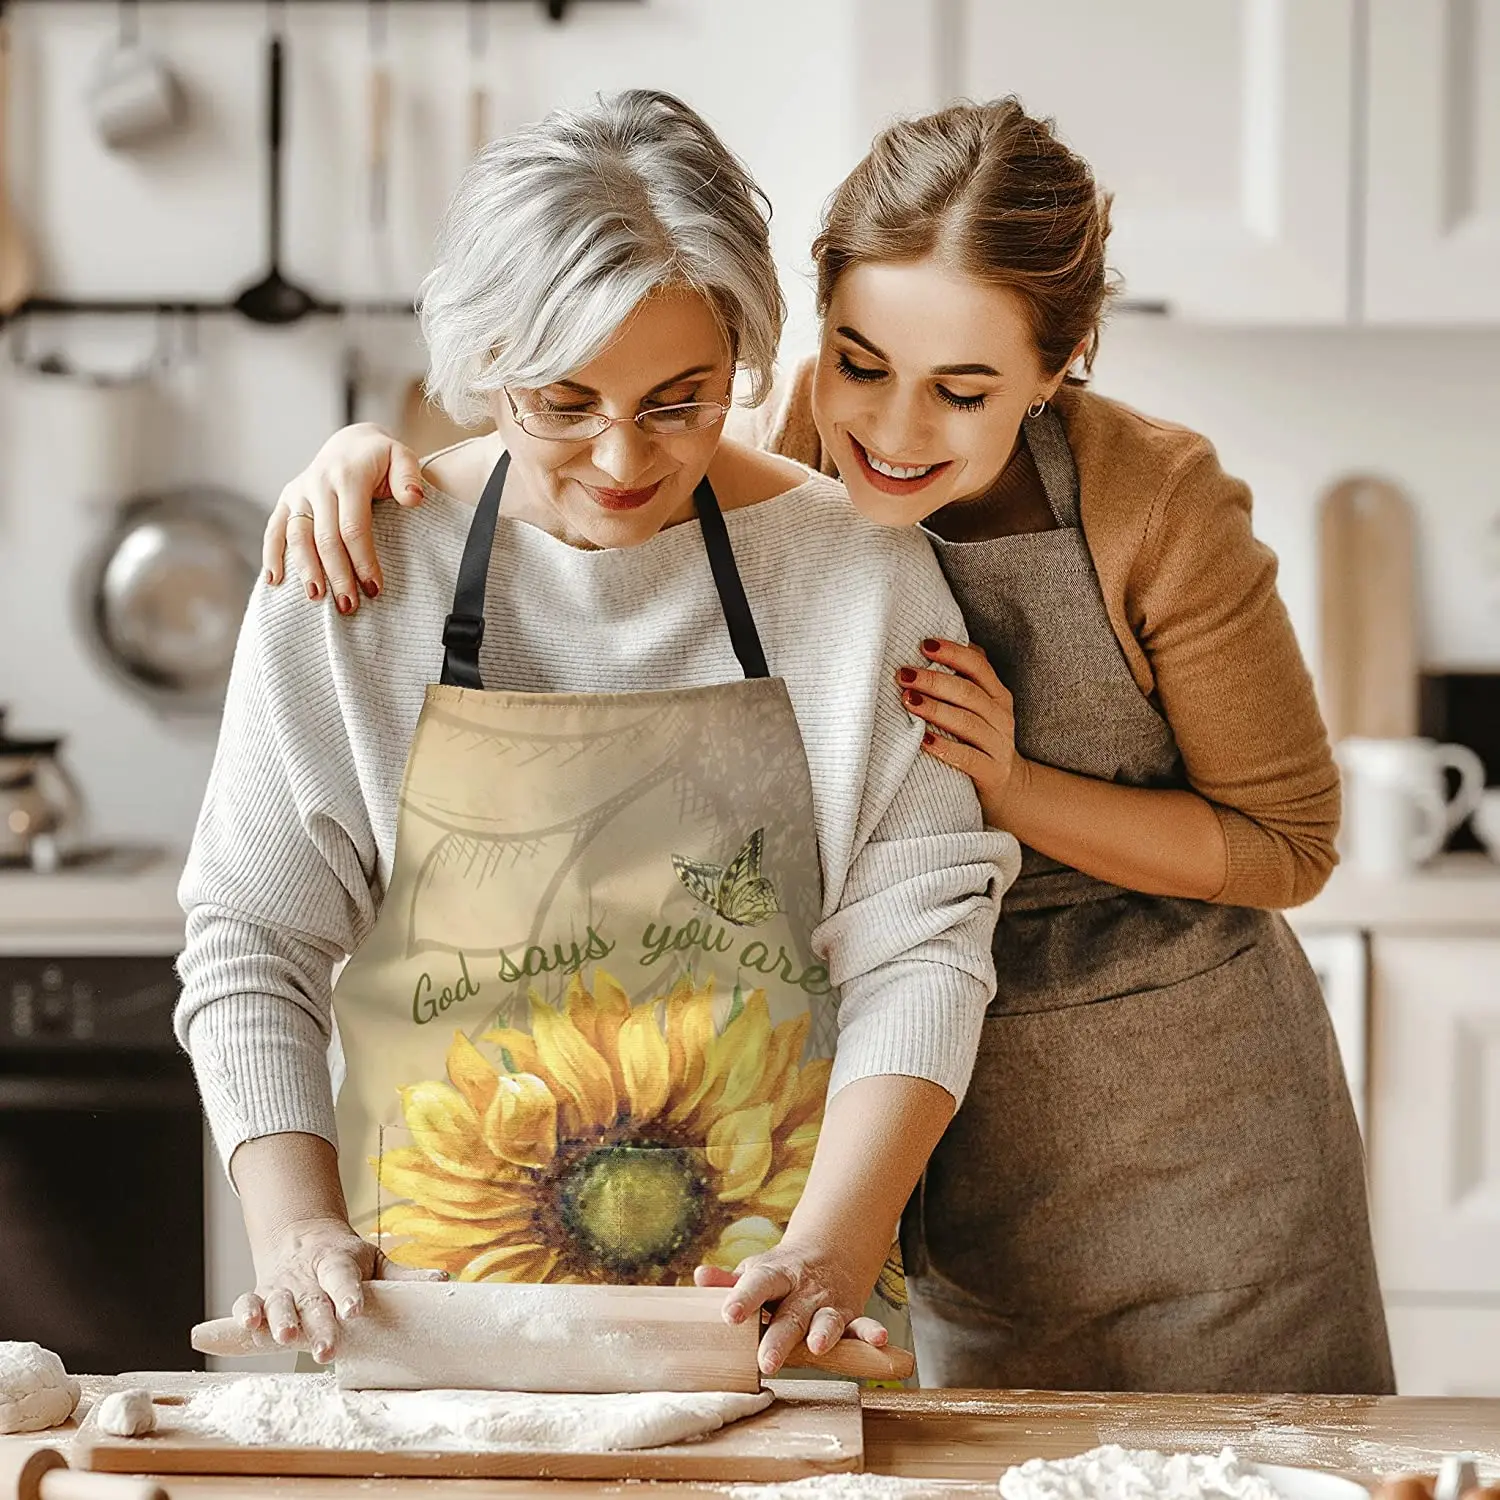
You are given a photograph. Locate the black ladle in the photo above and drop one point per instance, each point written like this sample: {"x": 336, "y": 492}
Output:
{"x": 274, "y": 299}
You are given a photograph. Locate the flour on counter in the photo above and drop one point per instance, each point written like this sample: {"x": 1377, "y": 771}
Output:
{"x": 859, "y": 1487}
{"x": 311, "y": 1411}
{"x": 1115, "y": 1473}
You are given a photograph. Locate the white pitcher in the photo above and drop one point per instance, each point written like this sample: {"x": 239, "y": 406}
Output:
{"x": 1397, "y": 812}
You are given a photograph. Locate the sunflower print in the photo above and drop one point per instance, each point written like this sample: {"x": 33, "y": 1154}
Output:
{"x": 610, "y": 1143}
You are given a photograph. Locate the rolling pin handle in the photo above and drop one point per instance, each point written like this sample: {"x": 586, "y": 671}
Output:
{"x": 856, "y": 1358}
{"x": 228, "y": 1336}
{"x": 80, "y": 1484}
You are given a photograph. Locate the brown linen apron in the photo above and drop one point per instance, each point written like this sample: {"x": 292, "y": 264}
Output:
{"x": 587, "y": 1039}
{"x": 1156, "y": 1180}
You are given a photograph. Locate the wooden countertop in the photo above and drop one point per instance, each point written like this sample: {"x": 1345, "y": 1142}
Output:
{"x": 961, "y": 1441}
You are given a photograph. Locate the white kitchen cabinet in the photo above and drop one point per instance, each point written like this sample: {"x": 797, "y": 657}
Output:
{"x": 1434, "y": 1115}
{"x": 1225, "y": 131}
{"x": 1445, "y": 1351}
{"x": 1432, "y": 221}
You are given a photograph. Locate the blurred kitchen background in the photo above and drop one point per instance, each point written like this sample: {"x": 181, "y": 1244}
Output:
{"x": 1307, "y": 221}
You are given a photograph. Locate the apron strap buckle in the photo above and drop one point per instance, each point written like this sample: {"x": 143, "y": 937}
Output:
{"x": 464, "y": 633}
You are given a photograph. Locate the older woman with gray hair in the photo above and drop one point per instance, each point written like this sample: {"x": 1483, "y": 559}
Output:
{"x": 666, "y": 956}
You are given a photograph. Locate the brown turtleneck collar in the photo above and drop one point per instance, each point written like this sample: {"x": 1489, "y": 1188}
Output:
{"x": 1015, "y": 505}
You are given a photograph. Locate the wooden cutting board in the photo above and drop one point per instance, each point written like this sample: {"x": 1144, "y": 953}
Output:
{"x": 813, "y": 1427}
{"x": 1367, "y": 606}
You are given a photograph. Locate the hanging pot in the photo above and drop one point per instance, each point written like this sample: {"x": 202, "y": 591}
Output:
{"x": 165, "y": 593}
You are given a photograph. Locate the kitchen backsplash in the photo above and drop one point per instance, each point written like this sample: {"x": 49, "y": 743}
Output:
{"x": 1290, "y": 411}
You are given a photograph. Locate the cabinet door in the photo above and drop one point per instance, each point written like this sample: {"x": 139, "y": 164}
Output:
{"x": 1434, "y": 1134}
{"x": 1223, "y": 130}
{"x": 1433, "y": 199}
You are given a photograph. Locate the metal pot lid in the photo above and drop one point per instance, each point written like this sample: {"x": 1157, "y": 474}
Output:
{"x": 167, "y": 593}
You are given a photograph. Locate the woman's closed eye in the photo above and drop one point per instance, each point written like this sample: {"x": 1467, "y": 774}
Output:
{"x": 865, "y": 375}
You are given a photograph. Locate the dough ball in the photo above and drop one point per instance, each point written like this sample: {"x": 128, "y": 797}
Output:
{"x": 127, "y": 1413}
{"x": 35, "y": 1390}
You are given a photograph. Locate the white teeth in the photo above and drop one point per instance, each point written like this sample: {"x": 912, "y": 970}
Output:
{"x": 895, "y": 471}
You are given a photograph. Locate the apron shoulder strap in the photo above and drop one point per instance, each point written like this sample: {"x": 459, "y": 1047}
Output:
{"x": 463, "y": 630}
{"x": 1048, "y": 442}
{"x": 743, "y": 635}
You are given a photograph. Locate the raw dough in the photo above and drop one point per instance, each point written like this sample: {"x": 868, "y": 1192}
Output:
{"x": 1115, "y": 1473}
{"x": 311, "y": 1411}
{"x": 127, "y": 1413}
{"x": 35, "y": 1390}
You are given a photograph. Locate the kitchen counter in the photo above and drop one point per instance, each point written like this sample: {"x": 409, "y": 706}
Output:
{"x": 972, "y": 1436}
{"x": 102, "y": 910}
{"x": 1455, "y": 893}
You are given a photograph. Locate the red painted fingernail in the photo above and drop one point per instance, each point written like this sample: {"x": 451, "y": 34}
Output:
{"x": 371, "y": 588}
{"x": 270, "y": 576}
{"x": 932, "y": 647}
{"x": 346, "y": 605}
{"x": 906, "y": 674}
{"x": 415, "y": 491}
{"x": 929, "y": 738}
{"x": 312, "y": 591}
{"x": 914, "y": 699}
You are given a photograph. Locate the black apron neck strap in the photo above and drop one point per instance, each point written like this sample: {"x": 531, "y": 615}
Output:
{"x": 1053, "y": 457}
{"x": 463, "y": 630}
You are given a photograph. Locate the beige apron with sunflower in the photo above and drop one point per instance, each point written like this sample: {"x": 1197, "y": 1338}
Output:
{"x": 587, "y": 1040}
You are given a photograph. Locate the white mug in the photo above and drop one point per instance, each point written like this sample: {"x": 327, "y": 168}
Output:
{"x": 1396, "y": 809}
{"x": 134, "y": 97}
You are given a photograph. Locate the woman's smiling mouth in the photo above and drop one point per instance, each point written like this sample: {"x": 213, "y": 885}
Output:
{"x": 623, "y": 499}
{"x": 895, "y": 479}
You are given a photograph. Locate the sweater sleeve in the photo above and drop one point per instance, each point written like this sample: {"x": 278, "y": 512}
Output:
{"x": 907, "y": 938}
{"x": 1233, "y": 685}
{"x": 277, "y": 884}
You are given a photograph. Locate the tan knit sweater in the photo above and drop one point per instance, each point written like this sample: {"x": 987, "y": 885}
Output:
{"x": 1192, "y": 597}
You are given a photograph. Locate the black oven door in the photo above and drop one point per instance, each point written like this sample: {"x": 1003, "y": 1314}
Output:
{"x": 101, "y": 1207}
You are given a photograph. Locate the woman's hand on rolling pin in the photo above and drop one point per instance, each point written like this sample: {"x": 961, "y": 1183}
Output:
{"x": 977, "y": 717}
{"x": 322, "y": 520}
{"x": 310, "y": 1278}
{"x": 810, "y": 1294}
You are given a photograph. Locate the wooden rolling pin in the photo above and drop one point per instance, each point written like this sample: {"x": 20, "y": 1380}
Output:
{"x": 43, "y": 1474}
{"x": 516, "y": 1336}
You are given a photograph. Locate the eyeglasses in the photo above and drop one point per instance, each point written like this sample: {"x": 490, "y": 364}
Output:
{"x": 584, "y": 426}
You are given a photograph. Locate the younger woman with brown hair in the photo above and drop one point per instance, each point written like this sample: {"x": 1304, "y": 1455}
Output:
{"x": 1156, "y": 1180}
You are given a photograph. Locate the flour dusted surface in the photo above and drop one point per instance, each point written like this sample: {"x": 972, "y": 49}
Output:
{"x": 1115, "y": 1473}
{"x": 312, "y": 1412}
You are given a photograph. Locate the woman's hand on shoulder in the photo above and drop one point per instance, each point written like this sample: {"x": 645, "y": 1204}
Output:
{"x": 971, "y": 719}
{"x": 322, "y": 522}
{"x": 310, "y": 1278}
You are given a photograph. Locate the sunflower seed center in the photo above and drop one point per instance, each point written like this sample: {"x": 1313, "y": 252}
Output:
{"x": 633, "y": 1207}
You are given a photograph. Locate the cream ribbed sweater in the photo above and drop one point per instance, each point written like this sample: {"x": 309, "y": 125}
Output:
{"x": 295, "y": 842}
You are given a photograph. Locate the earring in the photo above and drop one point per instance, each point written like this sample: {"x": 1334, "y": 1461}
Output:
{"x": 1036, "y": 408}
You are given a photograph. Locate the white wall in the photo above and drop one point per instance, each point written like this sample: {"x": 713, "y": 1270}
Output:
{"x": 1289, "y": 411}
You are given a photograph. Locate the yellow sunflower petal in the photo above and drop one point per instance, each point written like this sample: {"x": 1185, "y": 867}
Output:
{"x": 520, "y": 1126}
{"x": 517, "y": 1052}
{"x": 735, "y": 1074}
{"x": 581, "y": 1075}
{"x": 741, "y": 1240}
{"x": 471, "y": 1075}
{"x": 511, "y": 1263}
{"x": 739, "y": 1149}
{"x": 408, "y": 1172}
{"x": 645, "y": 1064}
{"x": 796, "y": 1149}
{"x": 579, "y": 1005}
{"x": 452, "y": 1234}
{"x": 611, "y": 1009}
{"x": 690, "y": 1033}
{"x": 812, "y": 1091}
{"x": 445, "y": 1127}
{"x": 778, "y": 1197}
{"x": 787, "y": 1042}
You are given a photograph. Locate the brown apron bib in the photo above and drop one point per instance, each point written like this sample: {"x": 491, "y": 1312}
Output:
{"x": 587, "y": 1039}
{"x": 1156, "y": 1180}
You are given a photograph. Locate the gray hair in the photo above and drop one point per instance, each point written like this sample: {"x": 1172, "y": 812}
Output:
{"x": 559, "y": 230}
